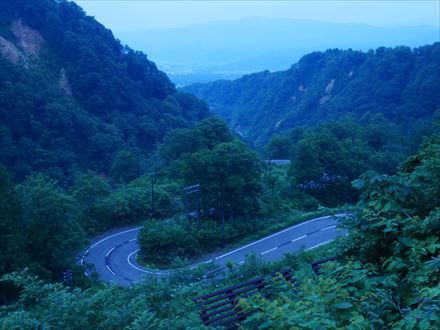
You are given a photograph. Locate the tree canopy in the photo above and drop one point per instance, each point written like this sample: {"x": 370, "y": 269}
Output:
{"x": 72, "y": 97}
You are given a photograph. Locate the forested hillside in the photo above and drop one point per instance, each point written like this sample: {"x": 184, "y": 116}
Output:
{"x": 399, "y": 83}
{"x": 93, "y": 137}
{"x": 81, "y": 117}
{"x": 72, "y": 97}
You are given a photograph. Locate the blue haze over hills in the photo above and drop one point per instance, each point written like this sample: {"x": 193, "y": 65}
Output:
{"x": 229, "y": 49}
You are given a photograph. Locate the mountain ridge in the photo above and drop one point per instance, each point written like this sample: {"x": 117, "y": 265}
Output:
{"x": 399, "y": 83}
{"x": 197, "y": 52}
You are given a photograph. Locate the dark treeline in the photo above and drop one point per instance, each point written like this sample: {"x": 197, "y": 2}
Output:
{"x": 325, "y": 159}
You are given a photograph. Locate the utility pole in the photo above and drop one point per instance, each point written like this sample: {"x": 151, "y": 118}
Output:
{"x": 223, "y": 226}
{"x": 153, "y": 182}
{"x": 198, "y": 204}
{"x": 68, "y": 277}
{"x": 188, "y": 191}
{"x": 222, "y": 205}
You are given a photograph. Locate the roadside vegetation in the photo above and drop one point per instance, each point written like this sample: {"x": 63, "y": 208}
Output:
{"x": 386, "y": 274}
{"x": 93, "y": 137}
{"x": 176, "y": 242}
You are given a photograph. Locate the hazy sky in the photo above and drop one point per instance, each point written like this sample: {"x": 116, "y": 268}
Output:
{"x": 128, "y": 15}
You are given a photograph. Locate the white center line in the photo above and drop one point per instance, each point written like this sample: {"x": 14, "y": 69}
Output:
{"x": 280, "y": 232}
{"x": 110, "y": 251}
{"x": 269, "y": 250}
{"x": 297, "y": 239}
{"x": 315, "y": 246}
{"x": 110, "y": 270}
{"x": 327, "y": 228}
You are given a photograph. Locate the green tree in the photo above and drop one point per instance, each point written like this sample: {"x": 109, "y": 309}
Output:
{"x": 162, "y": 241}
{"x": 279, "y": 147}
{"x": 126, "y": 166}
{"x": 12, "y": 243}
{"x": 89, "y": 190}
{"x": 180, "y": 142}
{"x": 11, "y": 238}
{"x": 230, "y": 177}
{"x": 326, "y": 159}
{"x": 49, "y": 216}
{"x": 213, "y": 131}
{"x": 397, "y": 233}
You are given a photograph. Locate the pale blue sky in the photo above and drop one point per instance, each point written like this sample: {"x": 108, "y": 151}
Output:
{"x": 129, "y": 15}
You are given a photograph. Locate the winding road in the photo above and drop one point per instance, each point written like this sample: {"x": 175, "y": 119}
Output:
{"x": 113, "y": 254}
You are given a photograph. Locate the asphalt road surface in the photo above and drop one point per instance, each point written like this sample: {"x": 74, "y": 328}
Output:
{"x": 113, "y": 254}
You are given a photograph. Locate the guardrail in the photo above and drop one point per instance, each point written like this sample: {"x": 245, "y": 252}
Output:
{"x": 220, "y": 308}
{"x": 316, "y": 265}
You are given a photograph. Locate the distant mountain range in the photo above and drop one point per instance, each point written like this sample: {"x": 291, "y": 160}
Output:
{"x": 229, "y": 49}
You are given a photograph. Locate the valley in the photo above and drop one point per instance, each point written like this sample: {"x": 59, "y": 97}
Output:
{"x": 129, "y": 187}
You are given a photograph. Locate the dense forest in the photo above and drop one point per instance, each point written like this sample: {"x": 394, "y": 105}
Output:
{"x": 399, "y": 83}
{"x": 81, "y": 117}
{"x": 94, "y": 137}
{"x": 73, "y": 98}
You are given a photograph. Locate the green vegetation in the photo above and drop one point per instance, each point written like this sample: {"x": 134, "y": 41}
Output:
{"x": 153, "y": 304}
{"x": 399, "y": 83}
{"x": 179, "y": 241}
{"x": 72, "y": 98}
{"x": 93, "y": 136}
{"x": 81, "y": 117}
{"x": 326, "y": 159}
{"x": 388, "y": 274}
{"x": 240, "y": 198}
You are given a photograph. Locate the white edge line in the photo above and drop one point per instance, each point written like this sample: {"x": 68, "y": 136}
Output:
{"x": 315, "y": 246}
{"x": 134, "y": 266}
{"x": 327, "y": 228}
{"x": 133, "y": 239}
{"x": 108, "y": 237}
{"x": 110, "y": 270}
{"x": 219, "y": 257}
{"x": 280, "y": 232}
{"x": 140, "y": 269}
